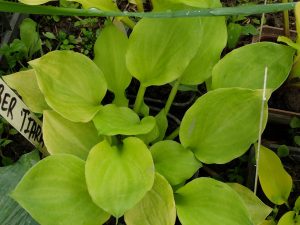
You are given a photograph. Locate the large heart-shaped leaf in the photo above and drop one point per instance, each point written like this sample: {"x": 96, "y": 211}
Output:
{"x": 54, "y": 192}
{"x": 222, "y": 124}
{"x": 118, "y": 177}
{"x": 110, "y": 49}
{"x": 156, "y": 208}
{"x": 113, "y": 120}
{"x": 160, "y": 49}
{"x": 274, "y": 180}
{"x": 107, "y": 5}
{"x": 165, "y": 153}
{"x": 245, "y": 66}
{"x": 25, "y": 83}
{"x": 64, "y": 136}
{"x": 11, "y": 212}
{"x": 257, "y": 210}
{"x": 72, "y": 84}
{"x": 205, "y": 201}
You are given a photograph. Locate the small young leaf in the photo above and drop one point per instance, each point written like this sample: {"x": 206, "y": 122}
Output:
{"x": 234, "y": 33}
{"x": 297, "y": 205}
{"x": 245, "y": 66}
{"x": 161, "y": 49}
{"x": 205, "y": 201}
{"x": 25, "y": 83}
{"x": 283, "y": 151}
{"x": 63, "y": 136}
{"x": 54, "y": 192}
{"x": 110, "y": 49}
{"x": 222, "y": 124}
{"x": 257, "y": 210}
{"x": 30, "y": 36}
{"x": 297, "y": 140}
{"x": 275, "y": 181}
{"x": 118, "y": 177}
{"x": 165, "y": 153}
{"x": 156, "y": 208}
{"x": 295, "y": 122}
{"x": 113, "y": 120}
{"x": 72, "y": 84}
{"x": 49, "y": 35}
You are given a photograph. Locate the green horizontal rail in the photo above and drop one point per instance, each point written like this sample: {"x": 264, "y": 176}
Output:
{"x": 6, "y": 6}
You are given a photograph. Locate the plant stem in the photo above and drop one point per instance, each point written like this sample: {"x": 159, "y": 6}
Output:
{"x": 172, "y": 96}
{"x": 139, "y": 99}
{"x": 286, "y": 25}
{"x": 174, "y": 134}
{"x": 6, "y": 6}
{"x": 140, "y": 6}
{"x": 126, "y": 20}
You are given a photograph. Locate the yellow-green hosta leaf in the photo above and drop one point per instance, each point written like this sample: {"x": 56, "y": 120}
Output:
{"x": 289, "y": 42}
{"x": 25, "y": 83}
{"x": 113, "y": 120}
{"x": 222, "y": 124}
{"x": 289, "y": 218}
{"x": 245, "y": 66}
{"x": 297, "y": 205}
{"x": 205, "y": 201}
{"x": 166, "y": 153}
{"x": 34, "y": 2}
{"x": 110, "y": 49}
{"x": 156, "y": 208}
{"x": 257, "y": 210}
{"x": 268, "y": 222}
{"x": 213, "y": 40}
{"x": 54, "y": 192}
{"x": 161, "y": 49}
{"x": 274, "y": 180}
{"x": 118, "y": 177}
{"x": 72, "y": 84}
{"x": 64, "y": 136}
{"x": 107, "y": 5}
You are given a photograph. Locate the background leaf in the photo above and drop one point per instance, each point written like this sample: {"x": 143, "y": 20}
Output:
{"x": 222, "y": 124}
{"x": 274, "y": 180}
{"x": 72, "y": 84}
{"x": 245, "y": 66}
{"x": 64, "y": 136}
{"x": 156, "y": 208}
{"x": 126, "y": 174}
{"x": 25, "y": 83}
{"x": 205, "y": 201}
{"x": 54, "y": 192}
{"x": 165, "y": 153}
{"x": 11, "y": 212}
{"x": 110, "y": 49}
{"x": 289, "y": 218}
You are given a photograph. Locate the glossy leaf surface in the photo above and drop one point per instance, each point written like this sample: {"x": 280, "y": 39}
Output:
{"x": 205, "y": 201}
{"x": 113, "y": 120}
{"x": 72, "y": 84}
{"x": 110, "y": 49}
{"x": 222, "y": 124}
{"x": 161, "y": 49}
{"x": 118, "y": 177}
{"x": 156, "y": 208}
{"x": 245, "y": 66}
{"x": 257, "y": 210}
{"x": 274, "y": 180}
{"x": 25, "y": 83}
{"x": 11, "y": 212}
{"x": 54, "y": 192}
{"x": 173, "y": 161}
{"x": 64, "y": 136}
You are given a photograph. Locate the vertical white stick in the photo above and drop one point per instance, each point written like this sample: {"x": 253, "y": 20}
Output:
{"x": 260, "y": 127}
{"x": 261, "y": 23}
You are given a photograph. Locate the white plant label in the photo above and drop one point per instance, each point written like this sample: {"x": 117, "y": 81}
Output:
{"x": 13, "y": 109}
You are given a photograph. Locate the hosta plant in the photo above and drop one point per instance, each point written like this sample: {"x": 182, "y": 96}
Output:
{"x": 111, "y": 160}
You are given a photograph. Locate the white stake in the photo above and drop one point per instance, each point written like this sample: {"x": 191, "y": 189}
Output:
{"x": 260, "y": 127}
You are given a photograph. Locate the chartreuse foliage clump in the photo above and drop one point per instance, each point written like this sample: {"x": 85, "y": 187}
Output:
{"x": 111, "y": 160}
